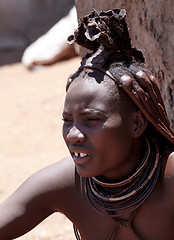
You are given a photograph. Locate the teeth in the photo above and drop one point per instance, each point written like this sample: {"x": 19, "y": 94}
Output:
{"x": 80, "y": 154}
{"x": 76, "y": 154}
{"x": 83, "y": 155}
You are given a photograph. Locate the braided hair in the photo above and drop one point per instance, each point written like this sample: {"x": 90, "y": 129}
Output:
{"x": 106, "y": 35}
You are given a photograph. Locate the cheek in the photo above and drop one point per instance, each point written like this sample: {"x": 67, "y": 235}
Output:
{"x": 104, "y": 139}
{"x": 65, "y": 131}
{"x": 113, "y": 141}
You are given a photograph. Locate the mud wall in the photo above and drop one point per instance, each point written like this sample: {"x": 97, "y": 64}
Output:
{"x": 151, "y": 26}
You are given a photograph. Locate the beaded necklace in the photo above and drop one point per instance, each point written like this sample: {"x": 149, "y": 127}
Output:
{"x": 120, "y": 198}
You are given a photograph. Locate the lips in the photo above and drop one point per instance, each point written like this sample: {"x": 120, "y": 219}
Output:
{"x": 81, "y": 158}
{"x": 80, "y": 154}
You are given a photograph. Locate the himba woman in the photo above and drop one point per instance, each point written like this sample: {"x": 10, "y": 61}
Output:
{"x": 119, "y": 181}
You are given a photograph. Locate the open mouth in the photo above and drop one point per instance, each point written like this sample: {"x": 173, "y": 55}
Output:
{"x": 80, "y": 155}
{"x": 81, "y": 158}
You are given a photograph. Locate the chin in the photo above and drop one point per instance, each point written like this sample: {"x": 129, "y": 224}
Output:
{"x": 83, "y": 172}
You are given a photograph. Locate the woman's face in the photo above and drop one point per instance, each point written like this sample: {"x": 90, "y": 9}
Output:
{"x": 97, "y": 134}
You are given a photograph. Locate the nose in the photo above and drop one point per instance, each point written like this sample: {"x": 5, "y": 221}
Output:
{"x": 75, "y": 135}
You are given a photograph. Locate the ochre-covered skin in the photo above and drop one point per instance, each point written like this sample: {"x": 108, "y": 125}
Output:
{"x": 59, "y": 187}
{"x": 105, "y": 130}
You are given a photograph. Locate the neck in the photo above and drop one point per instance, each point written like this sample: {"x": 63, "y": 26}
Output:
{"x": 121, "y": 198}
{"x": 138, "y": 152}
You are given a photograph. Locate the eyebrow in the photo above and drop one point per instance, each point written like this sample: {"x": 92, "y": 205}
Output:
{"x": 66, "y": 113}
{"x": 87, "y": 111}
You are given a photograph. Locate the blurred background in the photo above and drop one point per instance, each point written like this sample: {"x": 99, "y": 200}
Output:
{"x": 23, "y": 21}
{"x": 33, "y": 36}
{"x": 31, "y": 102}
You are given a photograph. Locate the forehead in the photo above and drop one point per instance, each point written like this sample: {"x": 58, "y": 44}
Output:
{"x": 95, "y": 81}
{"x": 92, "y": 87}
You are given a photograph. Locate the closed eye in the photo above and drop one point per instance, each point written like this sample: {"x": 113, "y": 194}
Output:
{"x": 93, "y": 119}
{"x": 67, "y": 120}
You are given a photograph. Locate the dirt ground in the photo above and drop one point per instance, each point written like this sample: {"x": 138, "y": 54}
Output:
{"x": 30, "y": 127}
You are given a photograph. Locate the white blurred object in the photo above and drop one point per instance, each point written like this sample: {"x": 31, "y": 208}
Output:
{"x": 52, "y": 46}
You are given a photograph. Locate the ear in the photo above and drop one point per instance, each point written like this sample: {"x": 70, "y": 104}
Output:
{"x": 139, "y": 123}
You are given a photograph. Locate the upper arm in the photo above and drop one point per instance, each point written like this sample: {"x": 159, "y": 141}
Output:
{"x": 169, "y": 182}
{"x": 38, "y": 197}
{"x": 169, "y": 170}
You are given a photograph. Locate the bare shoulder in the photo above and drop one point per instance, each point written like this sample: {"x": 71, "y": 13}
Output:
{"x": 45, "y": 192}
{"x": 165, "y": 192}
{"x": 169, "y": 170}
{"x": 48, "y": 187}
{"x": 55, "y": 177}
{"x": 57, "y": 184}
{"x": 61, "y": 170}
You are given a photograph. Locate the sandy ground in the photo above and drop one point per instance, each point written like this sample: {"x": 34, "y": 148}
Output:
{"x": 30, "y": 126}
